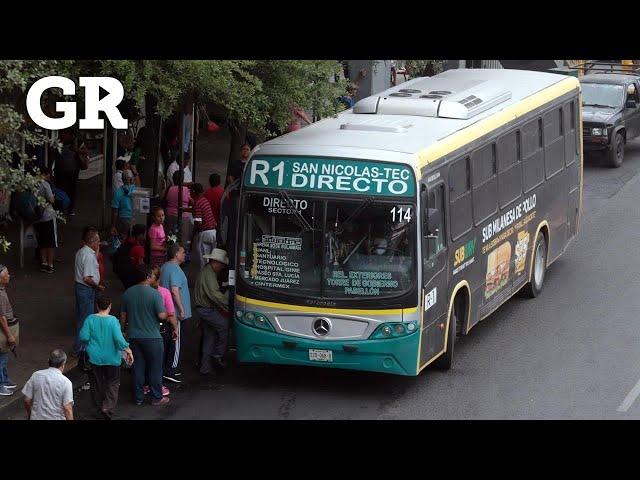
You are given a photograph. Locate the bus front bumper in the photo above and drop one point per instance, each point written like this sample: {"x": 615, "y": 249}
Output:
{"x": 393, "y": 355}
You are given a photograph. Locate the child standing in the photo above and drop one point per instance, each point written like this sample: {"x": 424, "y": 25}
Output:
{"x": 157, "y": 238}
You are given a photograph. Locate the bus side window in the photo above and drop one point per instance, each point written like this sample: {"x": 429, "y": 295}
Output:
{"x": 553, "y": 142}
{"x": 485, "y": 183}
{"x": 460, "y": 205}
{"x": 574, "y": 108}
{"x": 532, "y": 155}
{"x": 509, "y": 168}
{"x": 569, "y": 124}
{"x": 434, "y": 227}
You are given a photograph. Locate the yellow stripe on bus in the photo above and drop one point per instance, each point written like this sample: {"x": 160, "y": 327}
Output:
{"x": 488, "y": 125}
{"x": 338, "y": 311}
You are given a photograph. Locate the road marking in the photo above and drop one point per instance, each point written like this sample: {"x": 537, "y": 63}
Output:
{"x": 630, "y": 398}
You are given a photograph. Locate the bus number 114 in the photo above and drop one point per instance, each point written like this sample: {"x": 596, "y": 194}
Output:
{"x": 401, "y": 213}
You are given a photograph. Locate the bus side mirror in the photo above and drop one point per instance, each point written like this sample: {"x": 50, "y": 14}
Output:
{"x": 434, "y": 221}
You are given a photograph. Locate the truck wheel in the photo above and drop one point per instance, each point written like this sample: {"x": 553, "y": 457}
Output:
{"x": 446, "y": 359}
{"x": 616, "y": 152}
{"x": 534, "y": 287}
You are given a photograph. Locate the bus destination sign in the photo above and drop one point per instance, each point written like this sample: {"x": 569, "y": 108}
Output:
{"x": 340, "y": 176}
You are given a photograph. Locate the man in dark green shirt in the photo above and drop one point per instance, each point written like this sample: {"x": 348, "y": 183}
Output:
{"x": 142, "y": 309}
{"x": 212, "y": 306}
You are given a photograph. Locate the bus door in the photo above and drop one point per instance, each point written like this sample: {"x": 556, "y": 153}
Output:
{"x": 434, "y": 271}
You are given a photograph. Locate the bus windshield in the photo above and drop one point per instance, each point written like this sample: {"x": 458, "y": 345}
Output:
{"x": 340, "y": 248}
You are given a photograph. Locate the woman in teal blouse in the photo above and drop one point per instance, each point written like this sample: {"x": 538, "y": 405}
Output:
{"x": 105, "y": 343}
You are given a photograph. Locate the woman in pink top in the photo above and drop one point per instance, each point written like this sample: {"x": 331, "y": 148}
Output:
{"x": 171, "y": 197}
{"x": 157, "y": 238}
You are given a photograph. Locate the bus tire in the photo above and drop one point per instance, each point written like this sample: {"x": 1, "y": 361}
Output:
{"x": 615, "y": 155}
{"x": 445, "y": 361}
{"x": 538, "y": 274}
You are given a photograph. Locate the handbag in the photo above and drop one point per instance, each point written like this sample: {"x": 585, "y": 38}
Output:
{"x": 83, "y": 361}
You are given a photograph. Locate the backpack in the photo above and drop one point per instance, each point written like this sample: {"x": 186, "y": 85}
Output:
{"x": 26, "y": 205}
{"x": 62, "y": 200}
{"x": 120, "y": 259}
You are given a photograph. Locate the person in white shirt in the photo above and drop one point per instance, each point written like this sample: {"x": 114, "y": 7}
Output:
{"x": 87, "y": 281}
{"x": 174, "y": 167}
{"x": 117, "y": 176}
{"x": 48, "y": 394}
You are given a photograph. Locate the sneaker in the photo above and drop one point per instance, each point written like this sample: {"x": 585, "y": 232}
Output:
{"x": 171, "y": 378}
{"x": 5, "y": 391}
{"x": 162, "y": 401}
{"x": 10, "y": 384}
{"x": 50, "y": 269}
{"x": 147, "y": 390}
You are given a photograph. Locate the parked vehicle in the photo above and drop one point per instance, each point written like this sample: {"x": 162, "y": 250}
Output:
{"x": 610, "y": 113}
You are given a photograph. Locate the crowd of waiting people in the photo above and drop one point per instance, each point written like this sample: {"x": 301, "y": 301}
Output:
{"x": 149, "y": 336}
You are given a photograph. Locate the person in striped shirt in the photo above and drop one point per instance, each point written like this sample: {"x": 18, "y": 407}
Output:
{"x": 204, "y": 237}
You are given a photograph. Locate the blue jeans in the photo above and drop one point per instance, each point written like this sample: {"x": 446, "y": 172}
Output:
{"x": 4, "y": 376}
{"x": 147, "y": 363}
{"x": 85, "y": 306}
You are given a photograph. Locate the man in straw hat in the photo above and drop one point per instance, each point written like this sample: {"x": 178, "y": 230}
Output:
{"x": 212, "y": 307}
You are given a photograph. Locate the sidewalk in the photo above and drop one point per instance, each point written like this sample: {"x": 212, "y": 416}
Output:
{"x": 45, "y": 303}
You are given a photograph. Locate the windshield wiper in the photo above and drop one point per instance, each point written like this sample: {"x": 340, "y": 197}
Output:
{"x": 354, "y": 249}
{"x": 597, "y": 105}
{"x": 365, "y": 203}
{"x": 298, "y": 216}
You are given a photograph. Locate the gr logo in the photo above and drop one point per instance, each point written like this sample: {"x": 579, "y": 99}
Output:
{"x": 93, "y": 103}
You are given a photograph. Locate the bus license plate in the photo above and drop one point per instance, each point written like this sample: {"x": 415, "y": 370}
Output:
{"x": 321, "y": 355}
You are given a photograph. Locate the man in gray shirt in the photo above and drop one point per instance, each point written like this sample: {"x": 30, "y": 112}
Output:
{"x": 45, "y": 227}
{"x": 48, "y": 395}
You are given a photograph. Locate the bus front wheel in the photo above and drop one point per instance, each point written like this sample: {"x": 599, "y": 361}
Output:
{"x": 534, "y": 287}
{"x": 446, "y": 359}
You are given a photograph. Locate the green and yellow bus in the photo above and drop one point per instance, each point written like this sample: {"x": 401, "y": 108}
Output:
{"x": 371, "y": 240}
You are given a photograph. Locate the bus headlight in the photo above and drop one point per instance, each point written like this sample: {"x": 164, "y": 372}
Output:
{"x": 255, "y": 320}
{"x": 394, "y": 330}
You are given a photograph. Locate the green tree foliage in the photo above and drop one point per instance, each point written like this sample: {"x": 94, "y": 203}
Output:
{"x": 15, "y": 126}
{"x": 252, "y": 93}
{"x": 422, "y": 68}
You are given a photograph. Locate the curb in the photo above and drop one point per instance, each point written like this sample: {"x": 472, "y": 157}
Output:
{"x": 14, "y": 410}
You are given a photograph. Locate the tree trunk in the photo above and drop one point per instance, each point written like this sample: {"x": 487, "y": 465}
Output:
{"x": 238, "y": 137}
{"x": 148, "y": 142}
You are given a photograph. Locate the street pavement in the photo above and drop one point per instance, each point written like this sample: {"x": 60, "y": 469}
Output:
{"x": 572, "y": 353}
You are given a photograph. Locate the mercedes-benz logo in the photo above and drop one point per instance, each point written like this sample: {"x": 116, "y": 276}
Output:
{"x": 321, "y": 327}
